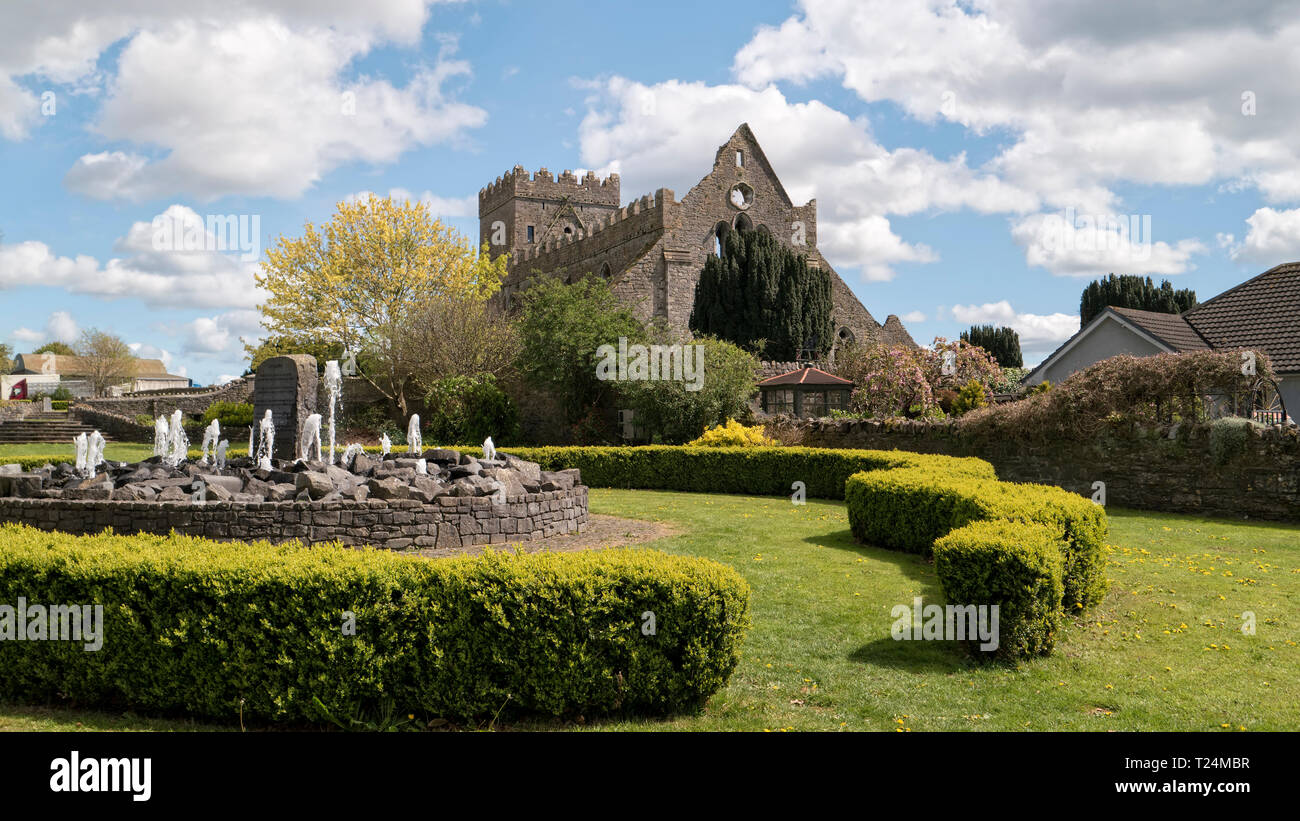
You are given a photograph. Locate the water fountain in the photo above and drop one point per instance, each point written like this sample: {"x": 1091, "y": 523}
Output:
{"x": 178, "y": 444}
{"x": 350, "y": 454}
{"x": 310, "y": 437}
{"x": 413, "y": 444}
{"x": 334, "y": 385}
{"x": 385, "y": 444}
{"x": 160, "y": 436}
{"x": 489, "y": 450}
{"x": 221, "y": 453}
{"x": 266, "y": 445}
{"x": 94, "y": 452}
{"x": 211, "y": 435}
{"x": 81, "y": 445}
{"x": 251, "y": 452}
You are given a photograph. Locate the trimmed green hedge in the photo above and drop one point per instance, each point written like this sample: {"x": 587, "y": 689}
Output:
{"x": 1014, "y": 565}
{"x": 759, "y": 471}
{"x": 220, "y": 630}
{"x": 909, "y": 509}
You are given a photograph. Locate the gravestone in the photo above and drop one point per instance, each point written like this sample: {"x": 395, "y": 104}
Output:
{"x": 286, "y": 386}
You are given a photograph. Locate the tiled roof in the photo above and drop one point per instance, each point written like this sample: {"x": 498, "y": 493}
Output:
{"x": 1171, "y": 329}
{"x": 73, "y": 366}
{"x": 805, "y": 376}
{"x": 1261, "y": 313}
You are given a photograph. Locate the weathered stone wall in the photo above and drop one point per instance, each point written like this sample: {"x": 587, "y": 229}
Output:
{"x": 112, "y": 424}
{"x": 19, "y": 410}
{"x": 394, "y": 524}
{"x": 1141, "y": 468}
{"x": 163, "y": 403}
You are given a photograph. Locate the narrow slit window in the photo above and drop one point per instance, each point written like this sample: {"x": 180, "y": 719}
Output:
{"x": 530, "y": 233}
{"x": 740, "y": 159}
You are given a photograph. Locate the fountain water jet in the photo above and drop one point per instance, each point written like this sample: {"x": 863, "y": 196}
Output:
{"x": 266, "y": 445}
{"x": 81, "y": 445}
{"x": 221, "y": 453}
{"x": 211, "y": 435}
{"x": 310, "y": 437}
{"x": 385, "y": 444}
{"x": 178, "y": 444}
{"x": 160, "y": 436}
{"x": 413, "y": 444}
{"x": 94, "y": 452}
{"x": 333, "y": 384}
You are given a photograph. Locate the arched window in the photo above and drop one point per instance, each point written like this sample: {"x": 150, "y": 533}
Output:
{"x": 604, "y": 271}
{"x": 744, "y": 223}
{"x": 718, "y": 238}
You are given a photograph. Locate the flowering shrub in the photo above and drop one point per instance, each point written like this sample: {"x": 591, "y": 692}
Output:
{"x": 733, "y": 434}
{"x": 888, "y": 381}
{"x": 1159, "y": 389}
{"x": 967, "y": 362}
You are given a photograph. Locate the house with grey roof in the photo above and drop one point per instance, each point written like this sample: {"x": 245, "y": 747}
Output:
{"x": 1260, "y": 314}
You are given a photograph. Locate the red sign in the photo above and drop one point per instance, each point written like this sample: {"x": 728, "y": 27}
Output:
{"x": 19, "y": 390}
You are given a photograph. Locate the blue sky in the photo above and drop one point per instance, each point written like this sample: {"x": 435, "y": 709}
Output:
{"x": 945, "y": 143}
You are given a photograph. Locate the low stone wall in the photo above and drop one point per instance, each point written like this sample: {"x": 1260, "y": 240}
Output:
{"x": 15, "y": 411}
{"x": 114, "y": 425}
{"x": 1175, "y": 469}
{"x": 394, "y": 524}
{"x": 159, "y": 403}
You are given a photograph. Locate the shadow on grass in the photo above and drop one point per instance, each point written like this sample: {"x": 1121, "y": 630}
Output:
{"x": 912, "y": 566}
{"x": 913, "y": 656}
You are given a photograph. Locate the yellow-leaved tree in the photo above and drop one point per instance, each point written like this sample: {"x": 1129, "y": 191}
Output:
{"x": 359, "y": 278}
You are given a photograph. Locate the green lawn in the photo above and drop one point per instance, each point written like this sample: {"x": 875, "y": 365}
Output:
{"x": 1164, "y": 651}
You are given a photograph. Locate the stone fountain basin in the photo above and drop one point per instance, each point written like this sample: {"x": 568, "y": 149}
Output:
{"x": 386, "y": 502}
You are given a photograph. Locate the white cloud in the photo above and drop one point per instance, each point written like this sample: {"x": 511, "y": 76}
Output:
{"x": 1037, "y": 331}
{"x": 441, "y": 207}
{"x": 664, "y": 135}
{"x": 1155, "y": 95}
{"x": 913, "y": 316}
{"x": 1090, "y": 246}
{"x": 161, "y": 278}
{"x": 1273, "y": 237}
{"x": 222, "y": 333}
{"x": 60, "y": 41}
{"x": 301, "y": 116}
{"x": 60, "y": 327}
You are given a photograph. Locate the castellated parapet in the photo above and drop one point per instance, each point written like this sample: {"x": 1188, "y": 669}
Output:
{"x": 649, "y": 213}
{"x": 590, "y": 190}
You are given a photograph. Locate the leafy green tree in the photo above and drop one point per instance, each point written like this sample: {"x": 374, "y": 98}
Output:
{"x": 105, "y": 359}
{"x": 763, "y": 296}
{"x": 274, "y": 346}
{"x": 468, "y": 409}
{"x": 672, "y": 411}
{"x": 561, "y": 327}
{"x": 6, "y": 359}
{"x": 1130, "y": 291}
{"x": 1003, "y": 343}
{"x": 56, "y": 348}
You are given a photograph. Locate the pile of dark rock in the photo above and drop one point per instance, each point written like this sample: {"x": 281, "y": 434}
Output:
{"x": 434, "y": 473}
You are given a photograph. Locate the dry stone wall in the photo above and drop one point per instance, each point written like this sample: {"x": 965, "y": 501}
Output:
{"x": 395, "y": 524}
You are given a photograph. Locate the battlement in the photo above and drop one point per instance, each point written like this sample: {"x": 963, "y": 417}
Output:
{"x": 590, "y": 190}
{"x": 650, "y": 211}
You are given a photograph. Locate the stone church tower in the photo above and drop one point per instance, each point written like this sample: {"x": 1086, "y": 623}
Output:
{"x": 653, "y": 249}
